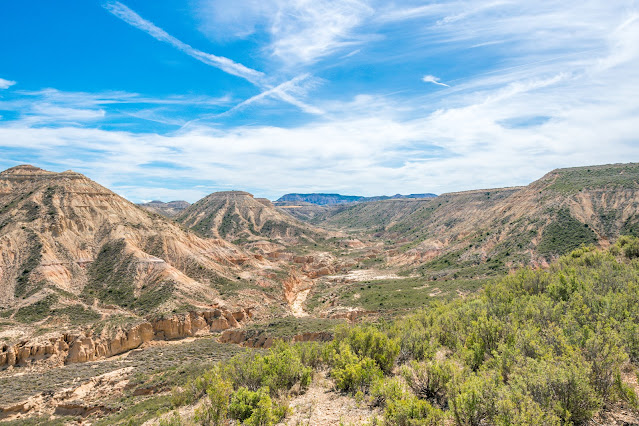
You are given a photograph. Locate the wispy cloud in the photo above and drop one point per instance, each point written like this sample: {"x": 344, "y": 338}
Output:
{"x": 5, "y": 84}
{"x": 300, "y": 31}
{"x": 225, "y": 64}
{"x": 282, "y": 92}
{"x": 434, "y": 80}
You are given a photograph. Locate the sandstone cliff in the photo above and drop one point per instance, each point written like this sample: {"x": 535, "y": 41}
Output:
{"x": 86, "y": 345}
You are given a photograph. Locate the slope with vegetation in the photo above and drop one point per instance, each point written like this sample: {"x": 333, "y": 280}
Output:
{"x": 539, "y": 347}
{"x": 487, "y": 232}
{"x": 238, "y": 216}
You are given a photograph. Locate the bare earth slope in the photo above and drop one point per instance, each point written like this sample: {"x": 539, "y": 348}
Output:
{"x": 64, "y": 237}
{"x": 237, "y": 215}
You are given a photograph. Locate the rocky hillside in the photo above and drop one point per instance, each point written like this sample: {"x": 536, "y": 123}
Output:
{"x": 485, "y": 231}
{"x": 237, "y": 215}
{"x": 170, "y": 209}
{"x": 71, "y": 249}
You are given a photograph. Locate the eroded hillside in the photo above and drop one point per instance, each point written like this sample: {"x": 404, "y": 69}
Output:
{"x": 474, "y": 233}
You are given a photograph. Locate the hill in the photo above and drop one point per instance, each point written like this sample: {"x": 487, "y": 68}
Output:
{"x": 328, "y": 199}
{"x": 238, "y": 216}
{"x": 488, "y": 231}
{"x": 72, "y": 250}
{"x": 170, "y": 209}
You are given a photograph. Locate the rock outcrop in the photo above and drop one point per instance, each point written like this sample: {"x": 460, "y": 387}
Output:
{"x": 86, "y": 346}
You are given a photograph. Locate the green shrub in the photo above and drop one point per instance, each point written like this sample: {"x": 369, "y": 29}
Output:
{"x": 411, "y": 411}
{"x": 429, "y": 380}
{"x": 387, "y": 389}
{"x": 214, "y": 411}
{"x": 358, "y": 376}
{"x": 372, "y": 343}
{"x": 515, "y": 408}
{"x": 473, "y": 400}
{"x": 280, "y": 369}
{"x": 559, "y": 386}
{"x": 256, "y": 408}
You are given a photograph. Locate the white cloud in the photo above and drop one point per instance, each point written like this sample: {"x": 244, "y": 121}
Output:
{"x": 573, "y": 66}
{"x": 434, "y": 80}
{"x": 5, "y": 84}
{"x": 300, "y": 31}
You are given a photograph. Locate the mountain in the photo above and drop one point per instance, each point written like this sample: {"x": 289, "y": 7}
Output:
{"x": 324, "y": 199}
{"x": 486, "y": 231}
{"x": 237, "y": 215}
{"x": 71, "y": 246}
{"x": 170, "y": 209}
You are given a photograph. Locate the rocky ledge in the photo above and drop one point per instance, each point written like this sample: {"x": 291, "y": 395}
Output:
{"x": 86, "y": 346}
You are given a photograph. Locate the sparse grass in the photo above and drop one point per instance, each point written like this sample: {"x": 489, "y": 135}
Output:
{"x": 40, "y": 420}
{"x": 171, "y": 364}
{"x": 571, "y": 181}
{"x": 290, "y": 326}
{"x": 78, "y": 314}
{"x": 36, "y": 311}
{"x": 401, "y": 295}
{"x": 141, "y": 411}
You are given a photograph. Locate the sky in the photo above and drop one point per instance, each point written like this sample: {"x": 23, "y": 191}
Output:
{"x": 175, "y": 99}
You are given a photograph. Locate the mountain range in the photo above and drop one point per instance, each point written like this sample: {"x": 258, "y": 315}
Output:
{"x": 328, "y": 199}
{"x": 73, "y": 253}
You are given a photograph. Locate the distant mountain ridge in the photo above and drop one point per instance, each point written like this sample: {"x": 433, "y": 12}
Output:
{"x": 170, "y": 209}
{"x": 325, "y": 199}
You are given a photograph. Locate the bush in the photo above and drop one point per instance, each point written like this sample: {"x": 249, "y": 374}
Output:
{"x": 215, "y": 409}
{"x": 368, "y": 342}
{"x": 515, "y": 408}
{"x": 356, "y": 376}
{"x": 473, "y": 400}
{"x": 629, "y": 246}
{"x": 256, "y": 408}
{"x": 560, "y": 386}
{"x": 429, "y": 380}
{"x": 351, "y": 373}
{"x": 387, "y": 389}
{"x": 411, "y": 411}
{"x": 280, "y": 369}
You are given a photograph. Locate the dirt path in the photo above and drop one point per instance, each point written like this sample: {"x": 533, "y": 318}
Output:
{"x": 297, "y": 307}
{"x": 320, "y": 405}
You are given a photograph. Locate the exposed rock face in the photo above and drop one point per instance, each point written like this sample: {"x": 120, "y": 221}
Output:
{"x": 85, "y": 346}
{"x": 236, "y": 214}
{"x": 65, "y": 239}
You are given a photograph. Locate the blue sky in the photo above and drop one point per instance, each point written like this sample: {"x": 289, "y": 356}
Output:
{"x": 176, "y": 99}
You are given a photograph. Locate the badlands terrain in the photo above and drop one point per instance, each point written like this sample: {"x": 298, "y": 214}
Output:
{"x": 108, "y": 308}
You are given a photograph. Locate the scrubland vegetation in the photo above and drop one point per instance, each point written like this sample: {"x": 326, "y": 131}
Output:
{"x": 538, "y": 347}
